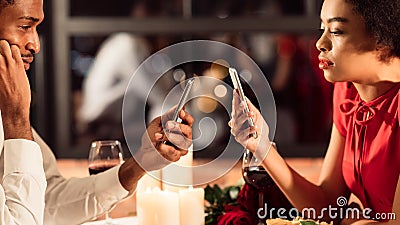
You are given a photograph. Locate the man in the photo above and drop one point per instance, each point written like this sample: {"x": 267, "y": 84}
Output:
{"x": 27, "y": 163}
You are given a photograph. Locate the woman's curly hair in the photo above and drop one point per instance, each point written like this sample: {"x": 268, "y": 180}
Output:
{"x": 382, "y": 20}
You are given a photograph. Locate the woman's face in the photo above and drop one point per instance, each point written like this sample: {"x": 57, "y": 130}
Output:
{"x": 347, "y": 51}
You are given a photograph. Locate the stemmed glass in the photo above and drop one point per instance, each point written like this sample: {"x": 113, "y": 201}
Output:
{"x": 104, "y": 155}
{"x": 256, "y": 176}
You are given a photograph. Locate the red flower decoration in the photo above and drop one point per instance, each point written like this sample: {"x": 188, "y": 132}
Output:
{"x": 235, "y": 216}
{"x": 246, "y": 211}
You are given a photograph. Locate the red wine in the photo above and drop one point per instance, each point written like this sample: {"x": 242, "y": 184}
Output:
{"x": 98, "y": 169}
{"x": 257, "y": 177}
{"x": 101, "y": 166}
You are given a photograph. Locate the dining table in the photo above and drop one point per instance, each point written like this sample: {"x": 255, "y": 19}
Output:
{"x": 125, "y": 211}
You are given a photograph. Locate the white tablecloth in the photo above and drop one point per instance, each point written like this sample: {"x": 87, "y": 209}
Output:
{"x": 120, "y": 221}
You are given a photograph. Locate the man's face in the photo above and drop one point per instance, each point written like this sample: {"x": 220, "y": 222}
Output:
{"x": 18, "y": 26}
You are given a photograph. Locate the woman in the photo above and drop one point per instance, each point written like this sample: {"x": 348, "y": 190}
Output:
{"x": 360, "y": 53}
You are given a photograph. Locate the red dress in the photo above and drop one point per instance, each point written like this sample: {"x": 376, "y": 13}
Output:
{"x": 371, "y": 163}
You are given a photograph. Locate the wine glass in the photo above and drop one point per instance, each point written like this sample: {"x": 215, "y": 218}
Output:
{"x": 104, "y": 155}
{"x": 256, "y": 176}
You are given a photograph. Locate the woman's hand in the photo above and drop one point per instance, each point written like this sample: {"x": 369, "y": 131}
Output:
{"x": 241, "y": 130}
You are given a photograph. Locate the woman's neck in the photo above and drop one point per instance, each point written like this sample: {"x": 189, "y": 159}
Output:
{"x": 369, "y": 92}
{"x": 387, "y": 76}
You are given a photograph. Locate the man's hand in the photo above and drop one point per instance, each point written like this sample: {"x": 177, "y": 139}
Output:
{"x": 15, "y": 93}
{"x": 154, "y": 153}
{"x": 165, "y": 141}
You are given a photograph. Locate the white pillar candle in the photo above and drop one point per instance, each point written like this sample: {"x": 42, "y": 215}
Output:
{"x": 156, "y": 207}
{"x": 179, "y": 175}
{"x": 150, "y": 181}
{"x": 191, "y": 203}
{"x": 145, "y": 202}
{"x": 167, "y": 208}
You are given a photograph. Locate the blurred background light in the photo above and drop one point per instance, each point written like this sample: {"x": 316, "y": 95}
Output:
{"x": 206, "y": 104}
{"x": 220, "y": 91}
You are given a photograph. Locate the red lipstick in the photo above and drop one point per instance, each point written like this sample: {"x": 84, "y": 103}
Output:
{"x": 324, "y": 63}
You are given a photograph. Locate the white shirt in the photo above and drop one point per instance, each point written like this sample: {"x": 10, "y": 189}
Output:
{"x": 103, "y": 90}
{"x": 118, "y": 58}
{"x": 23, "y": 184}
{"x": 67, "y": 201}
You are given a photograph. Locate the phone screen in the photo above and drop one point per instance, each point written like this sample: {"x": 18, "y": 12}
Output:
{"x": 238, "y": 86}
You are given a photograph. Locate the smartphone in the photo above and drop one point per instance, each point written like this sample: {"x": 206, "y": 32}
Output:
{"x": 238, "y": 86}
{"x": 183, "y": 98}
{"x": 181, "y": 103}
